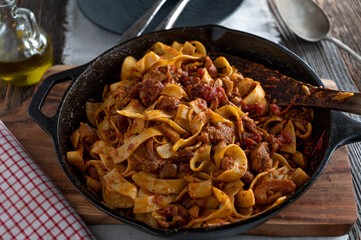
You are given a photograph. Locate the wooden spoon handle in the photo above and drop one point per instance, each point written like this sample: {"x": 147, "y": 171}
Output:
{"x": 301, "y": 94}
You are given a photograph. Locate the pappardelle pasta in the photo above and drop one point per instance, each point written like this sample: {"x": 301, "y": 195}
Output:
{"x": 184, "y": 141}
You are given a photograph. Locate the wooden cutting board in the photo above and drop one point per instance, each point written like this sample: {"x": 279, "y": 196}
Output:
{"x": 328, "y": 208}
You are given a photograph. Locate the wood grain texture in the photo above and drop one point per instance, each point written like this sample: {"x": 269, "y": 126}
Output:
{"x": 328, "y": 208}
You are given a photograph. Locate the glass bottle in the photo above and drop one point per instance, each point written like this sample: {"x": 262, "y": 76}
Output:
{"x": 25, "y": 49}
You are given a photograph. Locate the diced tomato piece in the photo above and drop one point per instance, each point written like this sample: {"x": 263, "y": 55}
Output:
{"x": 275, "y": 109}
{"x": 252, "y": 108}
{"x": 285, "y": 137}
{"x": 201, "y": 72}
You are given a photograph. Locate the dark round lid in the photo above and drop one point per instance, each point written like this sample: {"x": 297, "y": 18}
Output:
{"x": 118, "y": 15}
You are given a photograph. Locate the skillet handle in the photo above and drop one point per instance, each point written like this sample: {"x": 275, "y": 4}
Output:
{"x": 346, "y": 129}
{"x": 34, "y": 110}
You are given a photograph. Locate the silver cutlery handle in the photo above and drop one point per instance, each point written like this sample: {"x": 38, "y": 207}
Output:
{"x": 172, "y": 17}
{"x": 142, "y": 23}
{"x": 344, "y": 47}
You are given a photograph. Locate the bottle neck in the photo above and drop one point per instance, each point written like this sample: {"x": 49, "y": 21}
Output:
{"x": 7, "y": 13}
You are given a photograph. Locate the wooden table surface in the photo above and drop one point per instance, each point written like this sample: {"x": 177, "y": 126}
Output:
{"x": 325, "y": 58}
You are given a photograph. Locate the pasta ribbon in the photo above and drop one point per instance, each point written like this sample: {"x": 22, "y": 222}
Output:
{"x": 133, "y": 110}
{"x": 156, "y": 114}
{"x": 115, "y": 199}
{"x": 90, "y": 109}
{"x": 93, "y": 184}
{"x": 96, "y": 163}
{"x": 201, "y": 189}
{"x": 196, "y": 127}
{"x": 299, "y": 177}
{"x": 173, "y": 90}
{"x": 200, "y": 49}
{"x": 278, "y": 157}
{"x": 116, "y": 182}
{"x": 289, "y": 131}
{"x": 201, "y": 156}
{"x": 129, "y": 146}
{"x": 206, "y": 78}
{"x": 232, "y": 188}
{"x": 224, "y": 210}
{"x": 128, "y": 68}
{"x": 256, "y": 96}
{"x": 147, "y": 61}
{"x": 152, "y": 203}
{"x": 165, "y": 151}
{"x": 76, "y": 158}
{"x": 165, "y": 51}
{"x": 245, "y": 198}
{"x": 214, "y": 117}
{"x": 223, "y": 65}
{"x": 101, "y": 149}
{"x": 239, "y": 166}
{"x": 160, "y": 186}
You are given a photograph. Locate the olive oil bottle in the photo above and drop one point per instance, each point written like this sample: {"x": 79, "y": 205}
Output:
{"x": 25, "y": 49}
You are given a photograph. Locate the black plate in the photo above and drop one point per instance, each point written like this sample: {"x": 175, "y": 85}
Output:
{"x": 118, "y": 15}
{"x": 89, "y": 80}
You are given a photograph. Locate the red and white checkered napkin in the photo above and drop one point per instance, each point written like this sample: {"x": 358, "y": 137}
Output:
{"x": 31, "y": 206}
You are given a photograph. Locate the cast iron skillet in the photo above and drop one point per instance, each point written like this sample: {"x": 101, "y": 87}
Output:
{"x": 88, "y": 81}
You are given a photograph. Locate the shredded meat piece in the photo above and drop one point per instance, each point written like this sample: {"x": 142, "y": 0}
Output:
{"x": 227, "y": 131}
{"x": 221, "y": 132}
{"x": 204, "y": 137}
{"x": 277, "y": 127}
{"x": 260, "y": 159}
{"x": 184, "y": 168}
{"x": 269, "y": 191}
{"x": 134, "y": 91}
{"x": 172, "y": 135}
{"x": 88, "y": 136}
{"x": 168, "y": 104}
{"x": 186, "y": 135}
{"x": 275, "y": 109}
{"x": 186, "y": 201}
{"x": 308, "y": 147}
{"x": 178, "y": 74}
{"x": 168, "y": 170}
{"x": 227, "y": 163}
{"x": 251, "y": 130}
{"x": 274, "y": 143}
{"x": 212, "y": 70}
{"x": 285, "y": 137}
{"x": 190, "y": 80}
{"x": 252, "y": 108}
{"x": 175, "y": 215}
{"x": 247, "y": 178}
{"x": 161, "y": 74}
{"x": 149, "y": 91}
{"x": 153, "y": 161}
{"x": 92, "y": 172}
{"x": 207, "y": 92}
{"x": 121, "y": 123}
{"x": 202, "y": 104}
{"x": 183, "y": 155}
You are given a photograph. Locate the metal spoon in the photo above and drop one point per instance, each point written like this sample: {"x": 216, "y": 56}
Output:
{"x": 308, "y": 21}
